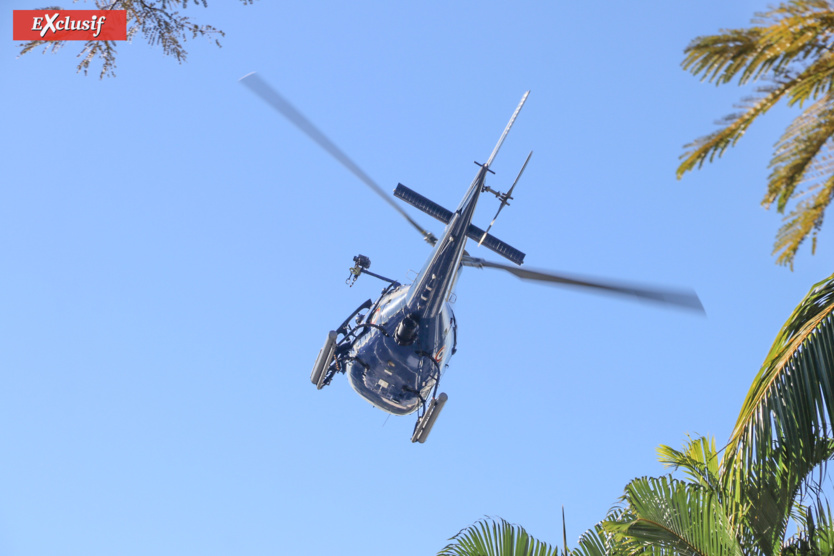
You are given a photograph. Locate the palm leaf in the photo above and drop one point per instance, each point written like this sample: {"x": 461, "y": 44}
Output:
{"x": 806, "y": 219}
{"x": 765, "y": 495}
{"x": 757, "y": 502}
{"x": 788, "y": 34}
{"x": 790, "y": 405}
{"x": 490, "y": 537}
{"x": 720, "y": 57}
{"x": 674, "y": 517}
{"x": 598, "y": 541}
{"x": 814, "y": 535}
{"x": 708, "y": 147}
{"x": 801, "y": 156}
{"x": 698, "y": 460}
{"x": 790, "y": 47}
{"x": 817, "y": 81}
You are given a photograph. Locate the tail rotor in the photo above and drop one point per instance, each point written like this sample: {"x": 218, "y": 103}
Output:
{"x": 504, "y": 197}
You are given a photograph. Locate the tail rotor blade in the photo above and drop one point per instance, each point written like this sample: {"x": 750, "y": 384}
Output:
{"x": 518, "y": 177}
{"x": 683, "y": 299}
{"x": 269, "y": 95}
{"x": 506, "y": 198}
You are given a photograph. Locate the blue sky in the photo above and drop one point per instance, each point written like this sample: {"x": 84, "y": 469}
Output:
{"x": 174, "y": 254}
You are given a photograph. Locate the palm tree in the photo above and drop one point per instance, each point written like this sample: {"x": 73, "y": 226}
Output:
{"x": 709, "y": 516}
{"x": 791, "y": 48}
{"x": 744, "y": 502}
{"x": 741, "y": 504}
{"x": 666, "y": 515}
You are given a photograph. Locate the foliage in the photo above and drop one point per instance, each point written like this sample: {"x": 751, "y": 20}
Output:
{"x": 773, "y": 469}
{"x": 790, "y": 49}
{"x": 496, "y": 537}
{"x": 790, "y": 405}
{"x": 668, "y": 516}
{"x": 700, "y": 516}
{"x": 599, "y": 541}
{"x": 157, "y": 20}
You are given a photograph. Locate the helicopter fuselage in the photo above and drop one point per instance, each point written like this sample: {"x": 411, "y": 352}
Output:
{"x": 395, "y": 353}
{"x": 393, "y": 377}
{"x": 410, "y": 333}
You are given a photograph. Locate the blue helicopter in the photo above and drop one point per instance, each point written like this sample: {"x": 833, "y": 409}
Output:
{"x": 394, "y": 351}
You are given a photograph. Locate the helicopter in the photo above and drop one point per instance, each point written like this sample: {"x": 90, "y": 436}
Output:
{"x": 395, "y": 350}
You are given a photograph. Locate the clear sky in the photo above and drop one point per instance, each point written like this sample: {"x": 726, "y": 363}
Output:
{"x": 174, "y": 253}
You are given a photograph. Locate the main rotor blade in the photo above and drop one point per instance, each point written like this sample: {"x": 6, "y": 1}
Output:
{"x": 258, "y": 86}
{"x": 683, "y": 299}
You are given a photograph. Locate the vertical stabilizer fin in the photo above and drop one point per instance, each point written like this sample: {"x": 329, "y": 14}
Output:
{"x": 506, "y": 130}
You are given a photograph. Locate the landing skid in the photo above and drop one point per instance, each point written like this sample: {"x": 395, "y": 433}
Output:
{"x": 426, "y": 421}
{"x": 323, "y": 361}
{"x": 322, "y": 371}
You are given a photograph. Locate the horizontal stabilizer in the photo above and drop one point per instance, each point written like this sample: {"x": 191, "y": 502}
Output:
{"x": 445, "y": 215}
{"x": 494, "y": 244}
{"x": 426, "y": 205}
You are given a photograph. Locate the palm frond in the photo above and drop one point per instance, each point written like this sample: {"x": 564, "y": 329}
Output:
{"x": 791, "y": 32}
{"x": 807, "y": 130}
{"x": 806, "y": 219}
{"x": 802, "y": 157}
{"x": 790, "y": 404}
{"x": 817, "y": 81}
{"x": 599, "y": 541}
{"x": 815, "y": 534}
{"x": 496, "y": 537}
{"x": 698, "y": 460}
{"x": 720, "y": 57}
{"x": 823, "y": 538}
{"x": 791, "y": 47}
{"x": 764, "y": 496}
{"x": 595, "y": 542}
{"x": 674, "y": 517}
{"x": 708, "y": 147}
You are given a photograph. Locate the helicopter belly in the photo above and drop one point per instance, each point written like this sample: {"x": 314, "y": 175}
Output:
{"x": 388, "y": 375}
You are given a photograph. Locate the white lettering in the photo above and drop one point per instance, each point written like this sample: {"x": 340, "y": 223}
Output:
{"x": 99, "y": 23}
{"x": 50, "y": 23}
